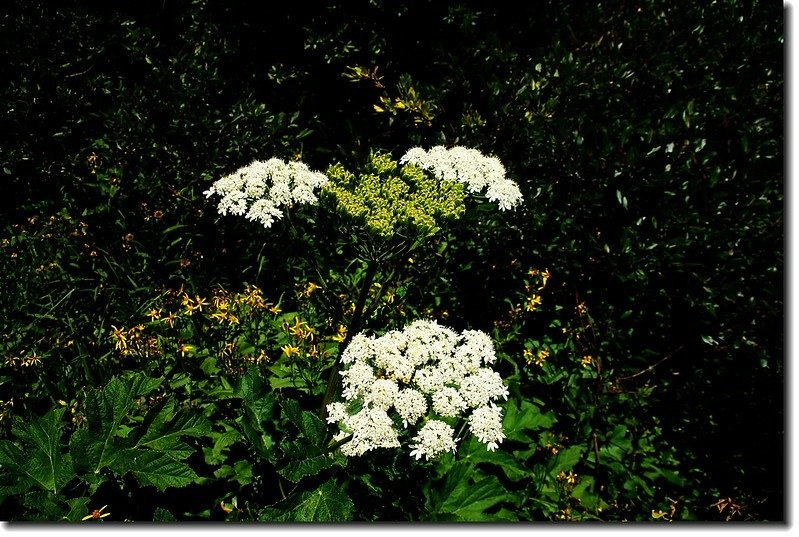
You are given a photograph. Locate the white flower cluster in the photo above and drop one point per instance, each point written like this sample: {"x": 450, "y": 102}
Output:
{"x": 425, "y": 373}
{"x": 259, "y": 190}
{"x": 478, "y": 172}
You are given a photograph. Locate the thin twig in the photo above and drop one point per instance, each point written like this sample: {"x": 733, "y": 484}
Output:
{"x": 653, "y": 366}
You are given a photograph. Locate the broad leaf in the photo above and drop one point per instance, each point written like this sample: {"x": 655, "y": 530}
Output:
{"x": 466, "y": 495}
{"x": 475, "y": 452}
{"x": 155, "y": 468}
{"x": 527, "y": 417}
{"x": 42, "y": 460}
{"x": 328, "y": 503}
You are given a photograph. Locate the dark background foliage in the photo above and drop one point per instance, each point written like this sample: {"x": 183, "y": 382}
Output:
{"x": 646, "y": 137}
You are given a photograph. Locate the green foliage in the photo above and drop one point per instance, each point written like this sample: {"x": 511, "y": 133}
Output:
{"x": 648, "y": 141}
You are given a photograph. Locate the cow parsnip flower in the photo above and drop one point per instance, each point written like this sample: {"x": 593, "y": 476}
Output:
{"x": 479, "y": 173}
{"x": 260, "y": 191}
{"x": 388, "y": 198}
{"x": 423, "y": 379}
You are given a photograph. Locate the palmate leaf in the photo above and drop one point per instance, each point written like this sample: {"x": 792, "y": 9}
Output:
{"x": 168, "y": 427}
{"x": 40, "y": 462}
{"x": 527, "y": 417}
{"x": 297, "y": 469}
{"x": 475, "y": 452}
{"x": 154, "y": 468}
{"x": 328, "y": 503}
{"x": 94, "y": 446}
{"x": 465, "y": 496}
{"x": 152, "y": 451}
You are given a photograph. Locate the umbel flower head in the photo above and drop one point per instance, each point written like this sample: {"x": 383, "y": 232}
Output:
{"x": 258, "y": 191}
{"x": 418, "y": 381}
{"x": 468, "y": 166}
{"x": 388, "y": 198}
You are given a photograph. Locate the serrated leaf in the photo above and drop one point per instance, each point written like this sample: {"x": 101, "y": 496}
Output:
{"x": 296, "y": 470}
{"x": 105, "y": 411}
{"x": 163, "y": 515}
{"x": 328, "y": 503}
{"x": 468, "y": 494}
{"x": 475, "y": 452}
{"x": 15, "y": 478}
{"x": 566, "y": 459}
{"x": 43, "y": 461}
{"x": 308, "y": 423}
{"x": 527, "y": 417}
{"x": 163, "y": 436}
{"x": 155, "y": 468}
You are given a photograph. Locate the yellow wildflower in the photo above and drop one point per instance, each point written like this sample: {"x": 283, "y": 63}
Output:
{"x": 290, "y": 350}
{"x": 170, "y": 320}
{"x": 119, "y": 335}
{"x": 532, "y": 303}
{"x": 185, "y": 348}
{"x": 587, "y": 360}
{"x": 341, "y": 334}
{"x": 96, "y": 514}
{"x": 154, "y": 314}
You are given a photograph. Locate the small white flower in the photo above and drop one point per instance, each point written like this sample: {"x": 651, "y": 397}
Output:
{"x": 359, "y": 349}
{"x": 482, "y": 388}
{"x": 357, "y": 381}
{"x": 423, "y": 370}
{"x": 381, "y": 394}
{"x": 476, "y": 171}
{"x": 336, "y": 412}
{"x": 485, "y": 423}
{"x": 262, "y": 188}
{"x": 448, "y": 402}
{"x": 411, "y": 405}
{"x": 435, "y": 438}
{"x": 371, "y": 428}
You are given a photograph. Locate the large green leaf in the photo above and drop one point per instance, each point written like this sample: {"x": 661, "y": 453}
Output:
{"x": 105, "y": 411}
{"x": 524, "y": 418}
{"x": 158, "y": 469}
{"x": 41, "y": 461}
{"x": 475, "y": 452}
{"x": 328, "y": 503}
{"x": 466, "y": 494}
{"x": 297, "y": 469}
{"x": 164, "y": 432}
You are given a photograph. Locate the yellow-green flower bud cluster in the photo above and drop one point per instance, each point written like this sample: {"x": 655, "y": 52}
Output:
{"x": 388, "y": 198}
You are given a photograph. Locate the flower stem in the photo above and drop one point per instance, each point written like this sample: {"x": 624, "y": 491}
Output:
{"x": 355, "y": 326}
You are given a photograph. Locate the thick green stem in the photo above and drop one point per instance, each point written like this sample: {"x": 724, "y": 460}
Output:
{"x": 354, "y": 327}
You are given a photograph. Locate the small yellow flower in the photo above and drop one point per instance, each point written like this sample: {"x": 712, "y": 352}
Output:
{"x": 199, "y": 303}
{"x": 185, "y": 348}
{"x": 529, "y": 355}
{"x": 587, "y": 360}
{"x": 119, "y": 335}
{"x": 219, "y": 315}
{"x": 341, "y": 334}
{"x": 290, "y": 350}
{"x": 274, "y": 309}
{"x": 544, "y": 278}
{"x": 232, "y": 319}
{"x": 532, "y": 303}
{"x": 310, "y": 288}
{"x": 582, "y": 309}
{"x": 96, "y": 514}
{"x": 154, "y": 314}
{"x": 297, "y": 330}
{"x": 170, "y": 320}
